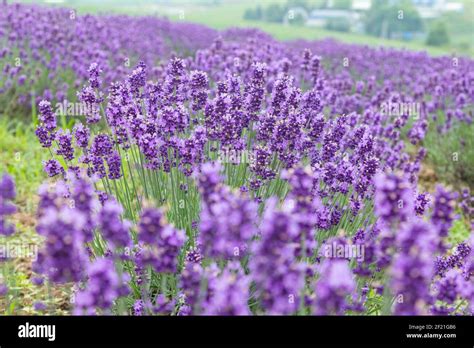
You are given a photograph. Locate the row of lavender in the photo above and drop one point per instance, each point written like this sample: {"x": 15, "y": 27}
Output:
{"x": 46, "y": 51}
{"x": 258, "y": 177}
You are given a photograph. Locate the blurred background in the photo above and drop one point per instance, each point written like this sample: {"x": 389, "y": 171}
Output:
{"x": 438, "y": 26}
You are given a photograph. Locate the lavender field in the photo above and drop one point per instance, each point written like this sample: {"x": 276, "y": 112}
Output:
{"x": 158, "y": 167}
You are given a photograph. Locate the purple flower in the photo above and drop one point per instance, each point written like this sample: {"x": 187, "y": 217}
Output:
{"x": 63, "y": 256}
{"x": 38, "y": 281}
{"x": 174, "y": 120}
{"x": 47, "y": 116}
{"x": 304, "y": 208}
{"x": 194, "y": 255}
{"x": 112, "y": 228}
{"x": 413, "y": 268}
{"x": 39, "y": 306}
{"x": 457, "y": 259}
{"x": 137, "y": 79}
{"x": 230, "y": 293}
{"x": 209, "y": 179}
{"x": 138, "y": 307}
{"x": 393, "y": 199}
{"x": 7, "y": 193}
{"x": 306, "y": 59}
{"x": 82, "y": 135}
{"x": 104, "y": 287}
{"x": 199, "y": 84}
{"x": 91, "y": 102}
{"x": 164, "y": 241}
{"x": 151, "y": 223}
{"x": 315, "y": 65}
{"x": 421, "y": 202}
{"x": 3, "y": 290}
{"x": 44, "y": 136}
{"x": 370, "y": 167}
{"x": 53, "y": 168}
{"x": 277, "y": 277}
{"x": 101, "y": 145}
{"x": 94, "y": 72}
{"x": 114, "y": 162}
{"x": 418, "y": 131}
{"x": 163, "y": 306}
{"x": 83, "y": 200}
{"x": 97, "y": 166}
{"x": 102, "y": 196}
{"x": 443, "y": 210}
{"x": 227, "y": 222}
{"x": 260, "y": 163}
{"x": 256, "y": 89}
{"x": 190, "y": 283}
{"x": 65, "y": 149}
{"x": 335, "y": 283}
{"x": 449, "y": 289}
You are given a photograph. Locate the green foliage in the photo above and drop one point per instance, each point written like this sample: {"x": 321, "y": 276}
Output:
{"x": 384, "y": 19}
{"x": 452, "y": 154}
{"x": 253, "y": 14}
{"x": 376, "y": 17}
{"x": 338, "y": 24}
{"x": 438, "y": 35}
{"x": 459, "y": 232}
{"x": 299, "y": 20}
{"x": 274, "y": 13}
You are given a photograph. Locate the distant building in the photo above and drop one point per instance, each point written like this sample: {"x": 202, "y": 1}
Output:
{"x": 361, "y": 5}
{"x": 321, "y": 17}
{"x": 427, "y": 9}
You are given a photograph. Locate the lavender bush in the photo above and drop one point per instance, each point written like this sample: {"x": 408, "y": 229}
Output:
{"x": 47, "y": 51}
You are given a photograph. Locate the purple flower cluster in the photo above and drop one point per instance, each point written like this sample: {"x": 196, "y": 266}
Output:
{"x": 82, "y": 135}
{"x": 235, "y": 166}
{"x": 52, "y": 167}
{"x": 46, "y": 130}
{"x": 111, "y": 225}
{"x": 456, "y": 260}
{"x": 227, "y": 222}
{"x": 230, "y": 293}
{"x": 63, "y": 257}
{"x": 279, "y": 280}
{"x": 393, "y": 199}
{"x": 64, "y": 139}
{"x": 44, "y": 50}
{"x": 443, "y": 210}
{"x": 103, "y": 288}
{"x": 413, "y": 268}
{"x": 336, "y": 282}
{"x": 163, "y": 242}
